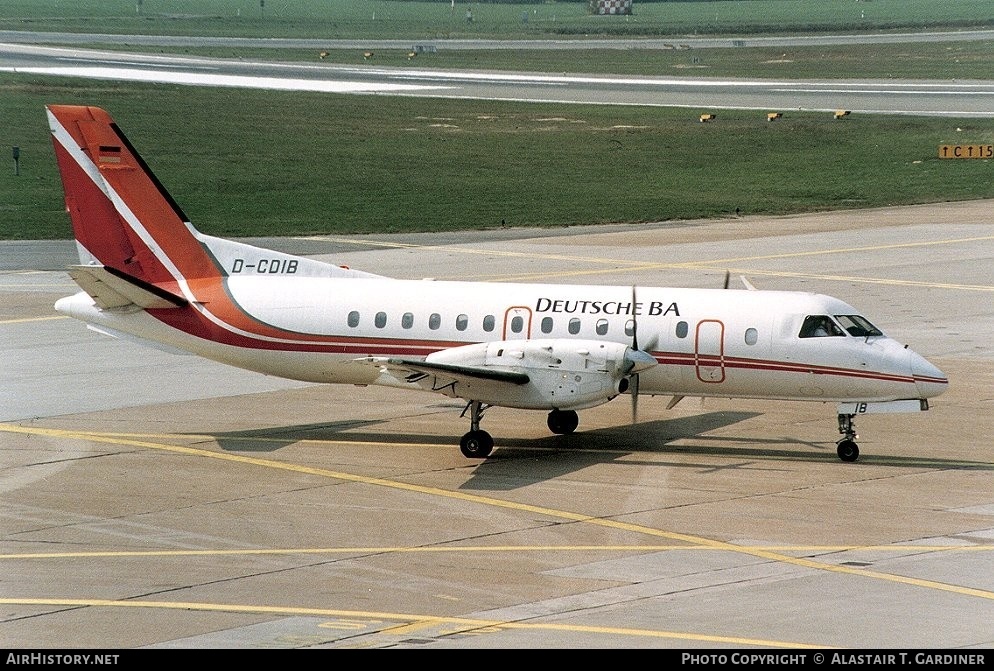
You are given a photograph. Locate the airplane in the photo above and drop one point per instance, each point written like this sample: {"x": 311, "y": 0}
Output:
{"x": 147, "y": 274}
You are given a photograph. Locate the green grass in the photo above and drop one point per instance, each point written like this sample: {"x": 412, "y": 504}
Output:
{"x": 922, "y": 60}
{"x": 255, "y": 163}
{"x": 247, "y": 163}
{"x": 418, "y": 20}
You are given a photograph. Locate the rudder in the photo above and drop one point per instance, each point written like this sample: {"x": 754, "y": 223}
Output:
{"x": 122, "y": 216}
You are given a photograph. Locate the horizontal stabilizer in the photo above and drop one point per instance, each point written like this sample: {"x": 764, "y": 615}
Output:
{"x": 144, "y": 342}
{"x": 110, "y": 288}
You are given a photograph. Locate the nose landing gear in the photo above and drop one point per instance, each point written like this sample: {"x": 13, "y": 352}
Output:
{"x": 847, "y": 450}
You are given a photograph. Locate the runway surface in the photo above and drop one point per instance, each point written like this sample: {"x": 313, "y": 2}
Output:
{"x": 151, "y": 500}
{"x": 957, "y": 98}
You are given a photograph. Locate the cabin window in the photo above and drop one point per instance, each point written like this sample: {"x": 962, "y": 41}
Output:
{"x": 547, "y": 324}
{"x": 407, "y": 321}
{"x": 380, "y": 319}
{"x": 751, "y": 336}
{"x": 858, "y": 326}
{"x": 434, "y": 321}
{"x": 462, "y": 321}
{"x": 517, "y": 324}
{"x": 354, "y": 318}
{"x": 819, "y": 326}
{"x": 574, "y": 326}
{"x": 488, "y": 323}
{"x": 630, "y": 328}
{"x": 601, "y": 327}
{"x": 682, "y": 329}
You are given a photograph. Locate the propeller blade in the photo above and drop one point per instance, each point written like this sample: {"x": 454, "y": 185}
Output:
{"x": 635, "y": 324}
{"x": 636, "y": 359}
{"x": 635, "y": 398}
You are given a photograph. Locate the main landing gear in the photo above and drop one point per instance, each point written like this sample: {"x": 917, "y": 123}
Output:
{"x": 847, "y": 448}
{"x": 478, "y": 444}
{"x": 563, "y": 422}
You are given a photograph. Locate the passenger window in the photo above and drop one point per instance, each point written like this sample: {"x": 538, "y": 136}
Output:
{"x": 434, "y": 321}
{"x": 574, "y": 326}
{"x": 546, "y": 324}
{"x": 462, "y": 321}
{"x": 407, "y": 321}
{"x": 819, "y": 326}
{"x": 751, "y": 336}
{"x": 517, "y": 323}
{"x": 682, "y": 329}
{"x": 380, "y": 319}
{"x": 630, "y": 328}
{"x": 354, "y": 318}
{"x": 601, "y": 327}
{"x": 488, "y": 323}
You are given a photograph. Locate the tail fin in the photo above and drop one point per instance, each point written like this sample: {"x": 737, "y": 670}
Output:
{"x": 121, "y": 215}
{"x": 125, "y": 220}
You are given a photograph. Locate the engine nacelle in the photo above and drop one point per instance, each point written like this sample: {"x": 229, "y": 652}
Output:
{"x": 563, "y": 374}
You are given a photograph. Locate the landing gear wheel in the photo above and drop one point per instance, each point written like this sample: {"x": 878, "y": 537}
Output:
{"x": 563, "y": 421}
{"x": 848, "y": 450}
{"x": 477, "y": 444}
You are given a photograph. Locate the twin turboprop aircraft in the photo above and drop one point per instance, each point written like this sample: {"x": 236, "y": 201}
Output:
{"x": 147, "y": 274}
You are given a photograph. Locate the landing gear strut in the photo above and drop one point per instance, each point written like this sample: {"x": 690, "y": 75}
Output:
{"x": 847, "y": 448}
{"x": 476, "y": 444}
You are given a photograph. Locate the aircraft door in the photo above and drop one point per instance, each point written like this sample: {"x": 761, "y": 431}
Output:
{"x": 709, "y": 351}
{"x": 517, "y": 323}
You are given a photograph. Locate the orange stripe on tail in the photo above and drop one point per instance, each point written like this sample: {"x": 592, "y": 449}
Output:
{"x": 121, "y": 215}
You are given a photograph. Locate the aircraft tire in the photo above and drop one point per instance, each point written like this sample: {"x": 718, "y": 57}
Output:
{"x": 476, "y": 445}
{"x": 563, "y": 421}
{"x": 848, "y": 450}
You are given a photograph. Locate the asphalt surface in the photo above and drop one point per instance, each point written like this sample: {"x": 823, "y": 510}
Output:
{"x": 151, "y": 500}
{"x": 959, "y": 98}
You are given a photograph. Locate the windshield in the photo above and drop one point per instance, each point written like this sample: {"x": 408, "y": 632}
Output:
{"x": 819, "y": 326}
{"x": 857, "y": 325}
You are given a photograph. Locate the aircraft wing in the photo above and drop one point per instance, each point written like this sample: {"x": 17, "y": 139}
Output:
{"x": 444, "y": 374}
{"x": 111, "y": 288}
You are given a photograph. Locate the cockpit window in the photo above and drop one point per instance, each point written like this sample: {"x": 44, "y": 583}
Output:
{"x": 819, "y": 326}
{"x": 859, "y": 326}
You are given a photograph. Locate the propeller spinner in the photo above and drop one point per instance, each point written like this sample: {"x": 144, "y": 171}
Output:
{"x": 638, "y": 360}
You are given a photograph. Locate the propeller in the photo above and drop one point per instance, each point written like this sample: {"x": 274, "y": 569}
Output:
{"x": 745, "y": 282}
{"x": 636, "y": 359}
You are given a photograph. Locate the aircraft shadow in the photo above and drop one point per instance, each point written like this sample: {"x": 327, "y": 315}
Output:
{"x": 518, "y": 462}
{"x": 644, "y": 436}
{"x": 273, "y": 439}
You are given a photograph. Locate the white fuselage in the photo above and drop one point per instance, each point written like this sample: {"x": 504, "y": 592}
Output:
{"x": 732, "y": 343}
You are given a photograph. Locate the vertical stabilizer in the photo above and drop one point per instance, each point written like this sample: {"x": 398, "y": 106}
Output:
{"x": 121, "y": 215}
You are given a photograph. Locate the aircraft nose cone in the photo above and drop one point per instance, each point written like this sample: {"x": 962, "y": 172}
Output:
{"x": 929, "y": 380}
